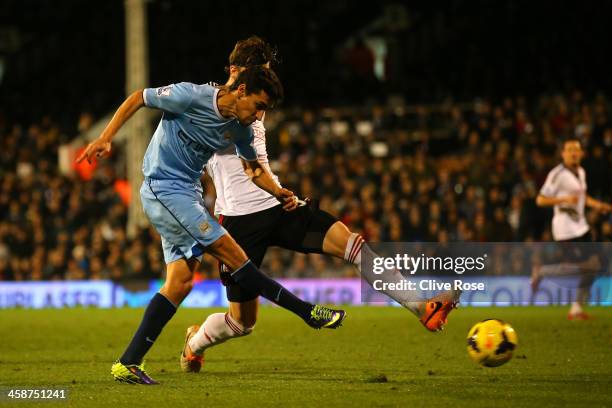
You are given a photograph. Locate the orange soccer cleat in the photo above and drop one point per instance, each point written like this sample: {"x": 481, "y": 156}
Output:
{"x": 579, "y": 316}
{"x": 190, "y": 361}
{"x": 434, "y": 314}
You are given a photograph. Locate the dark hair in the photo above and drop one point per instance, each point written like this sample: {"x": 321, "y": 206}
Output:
{"x": 568, "y": 139}
{"x": 252, "y": 51}
{"x": 259, "y": 78}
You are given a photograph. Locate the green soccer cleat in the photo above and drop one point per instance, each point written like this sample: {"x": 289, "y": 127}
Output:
{"x": 322, "y": 317}
{"x": 131, "y": 374}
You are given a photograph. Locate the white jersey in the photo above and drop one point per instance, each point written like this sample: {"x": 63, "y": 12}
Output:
{"x": 569, "y": 221}
{"x": 236, "y": 193}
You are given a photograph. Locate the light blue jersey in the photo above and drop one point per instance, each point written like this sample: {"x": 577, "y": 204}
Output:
{"x": 190, "y": 131}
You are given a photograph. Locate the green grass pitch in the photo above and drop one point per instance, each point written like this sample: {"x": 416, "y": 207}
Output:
{"x": 380, "y": 357}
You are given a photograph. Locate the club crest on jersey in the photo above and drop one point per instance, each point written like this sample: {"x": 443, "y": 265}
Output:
{"x": 204, "y": 227}
{"x": 164, "y": 91}
{"x": 227, "y": 135}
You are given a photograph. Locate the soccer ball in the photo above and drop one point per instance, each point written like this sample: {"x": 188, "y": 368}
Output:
{"x": 491, "y": 342}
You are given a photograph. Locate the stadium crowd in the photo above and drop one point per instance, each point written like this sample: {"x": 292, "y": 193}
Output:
{"x": 449, "y": 172}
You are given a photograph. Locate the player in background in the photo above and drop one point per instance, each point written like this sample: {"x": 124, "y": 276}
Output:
{"x": 197, "y": 121}
{"x": 256, "y": 220}
{"x": 565, "y": 189}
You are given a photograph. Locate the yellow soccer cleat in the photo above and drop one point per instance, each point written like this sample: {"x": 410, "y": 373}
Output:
{"x": 131, "y": 374}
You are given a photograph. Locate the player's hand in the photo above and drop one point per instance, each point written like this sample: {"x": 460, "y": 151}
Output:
{"x": 570, "y": 200}
{"x": 98, "y": 148}
{"x": 288, "y": 199}
{"x": 291, "y": 204}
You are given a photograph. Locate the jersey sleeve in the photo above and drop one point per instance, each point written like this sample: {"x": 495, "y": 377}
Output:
{"x": 174, "y": 98}
{"x": 259, "y": 132}
{"x": 259, "y": 140}
{"x": 549, "y": 189}
{"x": 245, "y": 146}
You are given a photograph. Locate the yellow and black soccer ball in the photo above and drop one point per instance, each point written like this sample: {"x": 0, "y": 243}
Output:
{"x": 491, "y": 342}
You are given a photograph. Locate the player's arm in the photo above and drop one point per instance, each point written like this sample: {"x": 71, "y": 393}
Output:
{"x": 597, "y": 205}
{"x": 102, "y": 145}
{"x": 544, "y": 201}
{"x": 175, "y": 98}
{"x": 259, "y": 143}
{"x": 258, "y": 174}
{"x": 262, "y": 179}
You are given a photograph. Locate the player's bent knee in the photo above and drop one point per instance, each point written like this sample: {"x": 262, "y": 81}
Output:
{"x": 182, "y": 287}
{"x": 178, "y": 290}
{"x": 186, "y": 287}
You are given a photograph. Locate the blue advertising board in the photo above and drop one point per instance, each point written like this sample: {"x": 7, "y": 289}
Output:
{"x": 499, "y": 291}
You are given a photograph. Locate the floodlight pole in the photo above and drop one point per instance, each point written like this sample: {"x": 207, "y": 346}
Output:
{"x": 138, "y": 128}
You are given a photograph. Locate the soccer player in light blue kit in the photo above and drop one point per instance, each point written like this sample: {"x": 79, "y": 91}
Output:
{"x": 199, "y": 120}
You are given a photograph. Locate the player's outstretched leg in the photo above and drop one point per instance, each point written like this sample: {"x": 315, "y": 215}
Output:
{"x": 247, "y": 275}
{"x": 315, "y": 316}
{"x": 432, "y": 313}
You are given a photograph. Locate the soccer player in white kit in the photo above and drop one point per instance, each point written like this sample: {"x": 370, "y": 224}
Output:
{"x": 565, "y": 189}
{"x": 256, "y": 221}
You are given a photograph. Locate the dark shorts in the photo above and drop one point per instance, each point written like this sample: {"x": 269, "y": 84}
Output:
{"x": 578, "y": 249}
{"x": 302, "y": 230}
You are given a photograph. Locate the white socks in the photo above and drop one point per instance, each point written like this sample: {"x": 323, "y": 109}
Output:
{"x": 575, "y": 309}
{"x": 354, "y": 248}
{"x": 218, "y": 328}
{"x": 352, "y": 253}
